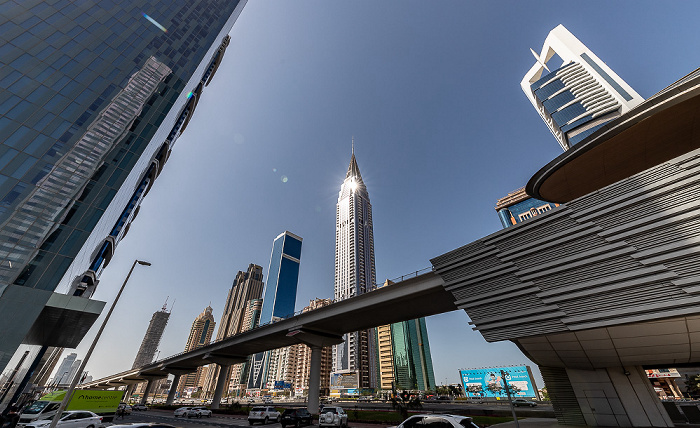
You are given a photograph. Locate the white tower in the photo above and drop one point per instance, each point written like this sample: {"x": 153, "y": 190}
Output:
{"x": 581, "y": 95}
{"x": 354, "y": 272}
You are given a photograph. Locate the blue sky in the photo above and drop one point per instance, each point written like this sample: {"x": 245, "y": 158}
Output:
{"x": 429, "y": 90}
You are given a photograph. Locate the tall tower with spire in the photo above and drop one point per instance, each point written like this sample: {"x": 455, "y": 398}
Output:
{"x": 354, "y": 272}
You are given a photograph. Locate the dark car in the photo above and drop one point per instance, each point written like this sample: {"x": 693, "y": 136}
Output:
{"x": 296, "y": 417}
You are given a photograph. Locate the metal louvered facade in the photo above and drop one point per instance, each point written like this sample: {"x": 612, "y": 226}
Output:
{"x": 627, "y": 253}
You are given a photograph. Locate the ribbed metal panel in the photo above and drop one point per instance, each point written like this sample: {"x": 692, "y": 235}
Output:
{"x": 628, "y": 252}
{"x": 566, "y": 407}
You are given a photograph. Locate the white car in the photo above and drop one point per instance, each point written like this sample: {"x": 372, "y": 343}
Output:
{"x": 438, "y": 421}
{"x": 182, "y": 411}
{"x": 332, "y": 416}
{"x": 71, "y": 419}
{"x": 264, "y": 415}
{"x": 140, "y": 407}
{"x": 198, "y": 412}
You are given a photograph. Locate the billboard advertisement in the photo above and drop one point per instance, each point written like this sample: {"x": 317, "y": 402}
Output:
{"x": 347, "y": 380}
{"x": 490, "y": 382}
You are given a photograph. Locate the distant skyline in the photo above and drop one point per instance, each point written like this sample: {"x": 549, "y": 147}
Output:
{"x": 441, "y": 128}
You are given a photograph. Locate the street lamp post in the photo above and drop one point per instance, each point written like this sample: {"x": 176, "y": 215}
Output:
{"x": 78, "y": 374}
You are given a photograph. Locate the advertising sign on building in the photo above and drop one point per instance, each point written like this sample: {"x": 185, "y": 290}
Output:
{"x": 490, "y": 382}
{"x": 344, "y": 380}
{"x": 658, "y": 373}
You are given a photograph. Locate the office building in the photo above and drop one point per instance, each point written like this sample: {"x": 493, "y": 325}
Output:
{"x": 518, "y": 206}
{"x": 404, "y": 358}
{"x": 64, "y": 369}
{"x": 581, "y": 95}
{"x": 94, "y": 95}
{"x": 354, "y": 274}
{"x": 278, "y": 303}
{"x": 302, "y": 359}
{"x": 151, "y": 340}
{"x": 200, "y": 335}
{"x": 247, "y": 287}
{"x": 239, "y": 372}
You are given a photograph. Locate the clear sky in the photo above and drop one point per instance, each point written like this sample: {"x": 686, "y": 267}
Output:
{"x": 429, "y": 90}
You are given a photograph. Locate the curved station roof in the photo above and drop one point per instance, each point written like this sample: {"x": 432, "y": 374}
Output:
{"x": 663, "y": 127}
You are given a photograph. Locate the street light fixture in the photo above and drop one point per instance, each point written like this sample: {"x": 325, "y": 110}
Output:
{"x": 78, "y": 374}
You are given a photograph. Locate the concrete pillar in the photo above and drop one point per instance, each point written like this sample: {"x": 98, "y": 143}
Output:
{"x": 611, "y": 397}
{"x": 149, "y": 387}
{"x": 314, "y": 379}
{"x": 173, "y": 390}
{"x": 129, "y": 391}
{"x": 221, "y": 381}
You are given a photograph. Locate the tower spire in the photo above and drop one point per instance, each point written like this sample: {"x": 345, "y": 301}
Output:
{"x": 353, "y": 145}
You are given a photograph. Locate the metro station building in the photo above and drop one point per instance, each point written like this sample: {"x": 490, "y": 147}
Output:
{"x": 607, "y": 284}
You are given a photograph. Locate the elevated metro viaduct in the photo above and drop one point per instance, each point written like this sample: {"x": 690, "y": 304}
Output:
{"x": 419, "y": 296}
{"x": 592, "y": 291}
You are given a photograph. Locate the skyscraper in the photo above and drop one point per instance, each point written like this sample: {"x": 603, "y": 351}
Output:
{"x": 518, "y": 206}
{"x": 302, "y": 355}
{"x": 64, "y": 369}
{"x": 200, "y": 335}
{"x": 151, "y": 340}
{"x": 247, "y": 287}
{"x": 581, "y": 95}
{"x": 354, "y": 273}
{"x": 94, "y": 95}
{"x": 404, "y": 357}
{"x": 279, "y": 300}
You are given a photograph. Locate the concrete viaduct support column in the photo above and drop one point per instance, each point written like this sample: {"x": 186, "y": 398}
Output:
{"x": 173, "y": 390}
{"x": 129, "y": 392}
{"x": 220, "y": 383}
{"x": 149, "y": 387}
{"x": 314, "y": 378}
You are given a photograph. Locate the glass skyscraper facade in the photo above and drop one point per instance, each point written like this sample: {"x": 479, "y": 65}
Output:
{"x": 93, "y": 95}
{"x": 279, "y": 297}
{"x": 413, "y": 364}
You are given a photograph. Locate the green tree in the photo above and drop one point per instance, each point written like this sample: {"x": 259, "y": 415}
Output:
{"x": 403, "y": 401}
{"x": 692, "y": 385}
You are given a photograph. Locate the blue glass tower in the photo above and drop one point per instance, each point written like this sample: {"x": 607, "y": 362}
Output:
{"x": 93, "y": 96}
{"x": 279, "y": 296}
{"x": 281, "y": 290}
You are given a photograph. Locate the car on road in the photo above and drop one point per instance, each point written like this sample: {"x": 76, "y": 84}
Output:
{"x": 71, "y": 419}
{"x": 139, "y": 407}
{"x": 182, "y": 411}
{"x": 143, "y": 425}
{"x": 296, "y": 417}
{"x": 332, "y": 416}
{"x": 198, "y": 412}
{"x": 263, "y": 414}
{"x": 437, "y": 421}
{"x": 523, "y": 402}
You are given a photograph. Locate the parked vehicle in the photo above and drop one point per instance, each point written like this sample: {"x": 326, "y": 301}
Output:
{"x": 198, "y": 412}
{"x": 140, "y": 407}
{"x": 263, "y": 414}
{"x": 71, "y": 419}
{"x": 182, "y": 411}
{"x": 143, "y": 425}
{"x": 296, "y": 417}
{"x": 332, "y": 416}
{"x": 517, "y": 402}
{"x": 103, "y": 403}
{"x": 438, "y": 421}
